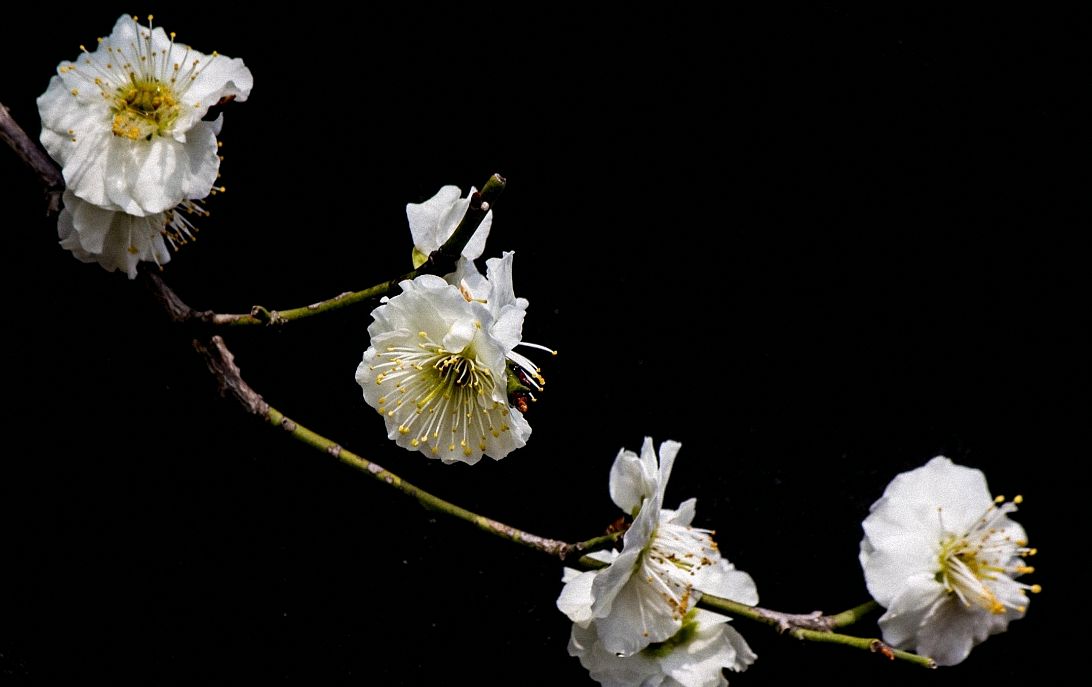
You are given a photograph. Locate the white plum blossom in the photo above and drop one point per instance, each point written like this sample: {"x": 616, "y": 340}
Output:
{"x": 124, "y": 121}
{"x": 118, "y": 241}
{"x": 438, "y": 366}
{"x": 694, "y": 656}
{"x": 646, "y": 595}
{"x": 434, "y": 221}
{"x": 941, "y": 554}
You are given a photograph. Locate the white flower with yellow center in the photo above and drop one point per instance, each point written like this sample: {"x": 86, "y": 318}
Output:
{"x": 437, "y": 372}
{"x": 125, "y": 121}
{"x": 434, "y": 221}
{"x": 118, "y": 241}
{"x": 941, "y": 555}
{"x": 644, "y": 596}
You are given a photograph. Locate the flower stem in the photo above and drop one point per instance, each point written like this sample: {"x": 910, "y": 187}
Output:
{"x": 876, "y": 646}
{"x": 441, "y": 261}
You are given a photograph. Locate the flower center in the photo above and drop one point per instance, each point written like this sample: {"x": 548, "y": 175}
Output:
{"x": 684, "y": 636}
{"x": 979, "y": 564}
{"x": 144, "y": 107}
{"x": 458, "y": 371}
{"x": 448, "y": 396}
{"x": 143, "y": 85}
{"x": 673, "y": 558}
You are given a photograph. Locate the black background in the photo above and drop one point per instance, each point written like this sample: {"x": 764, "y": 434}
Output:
{"x": 818, "y": 247}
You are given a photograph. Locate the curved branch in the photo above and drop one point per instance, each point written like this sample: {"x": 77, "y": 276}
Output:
{"x": 221, "y": 363}
{"x": 35, "y": 158}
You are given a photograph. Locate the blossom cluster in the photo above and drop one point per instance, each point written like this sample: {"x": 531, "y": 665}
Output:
{"x": 127, "y": 124}
{"x": 442, "y": 368}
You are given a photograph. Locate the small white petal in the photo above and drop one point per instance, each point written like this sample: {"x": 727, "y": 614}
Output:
{"x": 575, "y": 599}
{"x": 638, "y": 617}
{"x": 723, "y": 580}
{"x": 681, "y": 516}
{"x": 220, "y": 77}
{"x": 633, "y": 479}
{"x": 433, "y": 222}
{"x": 899, "y": 557}
{"x": 424, "y": 219}
{"x": 114, "y": 240}
{"x": 744, "y": 655}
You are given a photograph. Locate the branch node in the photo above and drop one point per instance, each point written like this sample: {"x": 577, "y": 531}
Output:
{"x": 789, "y": 622}
{"x": 878, "y": 647}
{"x": 288, "y": 425}
{"x": 221, "y": 364}
{"x": 334, "y": 450}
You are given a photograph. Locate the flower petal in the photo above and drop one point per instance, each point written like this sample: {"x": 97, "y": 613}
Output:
{"x": 575, "y": 600}
{"x": 632, "y": 479}
{"x": 909, "y": 609}
{"x": 424, "y": 218}
{"x": 638, "y": 617}
{"x": 725, "y": 581}
{"x": 115, "y": 240}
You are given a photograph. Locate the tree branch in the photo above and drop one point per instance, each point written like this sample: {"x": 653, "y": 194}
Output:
{"x": 811, "y": 627}
{"x": 816, "y": 627}
{"x": 35, "y": 158}
{"x": 221, "y": 363}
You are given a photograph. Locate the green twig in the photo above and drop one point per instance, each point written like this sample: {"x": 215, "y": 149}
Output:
{"x": 816, "y": 627}
{"x": 851, "y": 616}
{"x": 876, "y": 646}
{"x": 221, "y": 363}
{"x": 441, "y": 261}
